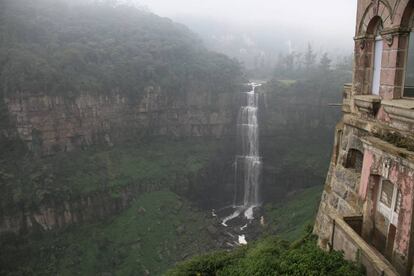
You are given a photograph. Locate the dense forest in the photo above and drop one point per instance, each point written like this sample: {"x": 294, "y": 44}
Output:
{"x": 50, "y": 46}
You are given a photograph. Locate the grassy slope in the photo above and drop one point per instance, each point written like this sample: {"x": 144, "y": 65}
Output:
{"x": 290, "y": 217}
{"x": 145, "y": 237}
{"x": 65, "y": 176}
{"x": 157, "y": 162}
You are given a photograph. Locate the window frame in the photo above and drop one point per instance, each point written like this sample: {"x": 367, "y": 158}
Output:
{"x": 353, "y": 155}
{"x": 389, "y": 212}
{"x": 374, "y": 33}
{"x": 377, "y": 38}
{"x": 406, "y": 62}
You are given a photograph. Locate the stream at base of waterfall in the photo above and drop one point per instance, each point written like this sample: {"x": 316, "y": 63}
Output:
{"x": 247, "y": 168}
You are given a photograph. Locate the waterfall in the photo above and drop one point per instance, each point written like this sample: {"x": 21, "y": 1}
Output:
{"x": 248, "y": 164}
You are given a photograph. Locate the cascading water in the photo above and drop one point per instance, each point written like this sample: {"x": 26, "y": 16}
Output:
{"x": 248, "y": 163}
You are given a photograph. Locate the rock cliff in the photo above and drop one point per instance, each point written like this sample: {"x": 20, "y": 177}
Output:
{"x": 50, "y": 124}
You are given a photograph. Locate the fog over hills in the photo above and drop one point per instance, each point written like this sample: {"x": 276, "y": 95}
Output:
{"x": 256, "y": 32}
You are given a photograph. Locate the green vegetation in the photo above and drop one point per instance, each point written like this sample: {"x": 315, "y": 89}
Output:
{"x": 160, "y": 162}
{"x": 270, "y": 256}
{"x": 289, "y": 218}
{"x": 158, "y": 229}
{"x": 55, "y": 47}
{"x": 398, "y": 140}
{"x": 65, "y": 48}
{"x": 161, "y": 228}
{"x": 65, "y": 176}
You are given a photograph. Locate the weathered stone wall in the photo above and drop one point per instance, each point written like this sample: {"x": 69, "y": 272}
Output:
{"x": 341, "y": 188}
{"x": 349, "y": 192}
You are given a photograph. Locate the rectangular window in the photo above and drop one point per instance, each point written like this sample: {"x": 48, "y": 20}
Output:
{"x": 377, "y": 66}
{"x": 409, "y": 70}
{"x": 389, "y": 201}
{"x": 386, "y": 193}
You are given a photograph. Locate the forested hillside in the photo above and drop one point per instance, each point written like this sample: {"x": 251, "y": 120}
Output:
{"x": 51, "y": 47}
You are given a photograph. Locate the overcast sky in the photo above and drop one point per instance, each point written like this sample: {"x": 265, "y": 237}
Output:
{"x": 314, "y": 15}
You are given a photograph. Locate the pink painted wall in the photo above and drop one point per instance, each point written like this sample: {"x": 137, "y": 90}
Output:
{"x": 366, "y": 172}
{"x": 401, "y": 176}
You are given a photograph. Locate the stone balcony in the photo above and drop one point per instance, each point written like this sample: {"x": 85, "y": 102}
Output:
{"x": 396, "y": 113}
{"x": 345, "y": 237}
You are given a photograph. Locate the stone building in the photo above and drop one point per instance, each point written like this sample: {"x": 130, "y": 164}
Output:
{"x": 367, "y": 204}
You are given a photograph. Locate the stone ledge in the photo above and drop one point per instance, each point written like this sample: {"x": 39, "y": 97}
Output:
{"x": 368, "y": 104}
{"x": 390, "y": 149}
{"x": 400, "y": 110}
{"x": 373, "y": 126}
{"x": 368, "y": 98}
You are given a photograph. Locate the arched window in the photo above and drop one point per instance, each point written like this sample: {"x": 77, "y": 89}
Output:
{"x": 354, "y": 160}
{"x": 377, "y": 59}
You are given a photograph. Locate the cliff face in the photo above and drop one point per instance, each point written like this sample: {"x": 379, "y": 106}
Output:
{"x": 50, "y": 124}
{"x": 56, "y": 214}
{"x": 88, "y": 185}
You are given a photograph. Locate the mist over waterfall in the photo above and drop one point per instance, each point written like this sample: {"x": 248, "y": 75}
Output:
{"x": 248, "y": 164}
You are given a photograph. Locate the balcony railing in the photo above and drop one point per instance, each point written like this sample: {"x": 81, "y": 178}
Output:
{"x": 345, "y": 238}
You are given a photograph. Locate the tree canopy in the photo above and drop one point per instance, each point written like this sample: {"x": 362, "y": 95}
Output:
{"x": 55, "y": 48}
{"x": 270, "y": 256}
